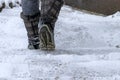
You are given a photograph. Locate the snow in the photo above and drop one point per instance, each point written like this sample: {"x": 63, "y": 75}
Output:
{"x": 8, "y": 5}
{"x": 87, "y": 48}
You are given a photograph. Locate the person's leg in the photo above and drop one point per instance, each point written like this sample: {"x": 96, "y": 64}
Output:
{"x": 30, "y": 14}
{"x": 49, "y": 13}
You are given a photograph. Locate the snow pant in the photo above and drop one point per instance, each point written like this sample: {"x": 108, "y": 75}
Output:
{"x": 49, "y": 9}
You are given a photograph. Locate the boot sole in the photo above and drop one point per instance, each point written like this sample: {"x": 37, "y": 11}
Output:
{"x": 45, "y": 36}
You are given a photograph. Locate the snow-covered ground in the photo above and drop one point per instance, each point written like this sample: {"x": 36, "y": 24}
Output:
{"x": 87, "y": 48}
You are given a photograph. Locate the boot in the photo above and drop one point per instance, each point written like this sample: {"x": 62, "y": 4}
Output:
{"x": 31, "y": 25}
{"x": 49, "y": 13}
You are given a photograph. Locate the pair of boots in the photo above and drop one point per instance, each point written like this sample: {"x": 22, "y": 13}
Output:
{"x": 41, "y": 37}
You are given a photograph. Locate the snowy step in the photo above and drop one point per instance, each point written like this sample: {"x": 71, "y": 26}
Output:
{"x": 62, "y": 69}
{"x": 69, "y": 51}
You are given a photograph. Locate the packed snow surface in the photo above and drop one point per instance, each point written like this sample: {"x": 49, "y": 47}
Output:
{"x": 87, "y": 48}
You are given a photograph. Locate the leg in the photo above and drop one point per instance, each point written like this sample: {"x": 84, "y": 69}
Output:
{"x": 30, "y": 14}
{"x": 49, "y": 13}
{"x": 50, "y": 10}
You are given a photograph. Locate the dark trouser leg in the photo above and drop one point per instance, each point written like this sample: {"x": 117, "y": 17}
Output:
{"x": 49, "y": 13}
{"x": 31, "y": 15}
